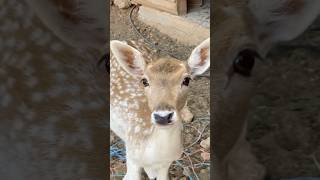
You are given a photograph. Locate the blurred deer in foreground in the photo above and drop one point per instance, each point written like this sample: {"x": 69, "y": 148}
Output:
{"x": 53, "y": 107}
{"x": 244, "y": 31}
{"x": 148, "y": 100}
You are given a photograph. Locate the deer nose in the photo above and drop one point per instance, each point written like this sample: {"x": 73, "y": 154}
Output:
{"x": 163, "y": 117}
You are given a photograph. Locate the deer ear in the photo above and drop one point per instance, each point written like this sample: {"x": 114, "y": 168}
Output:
{"x": 282, "y": 20}
{"x": 199, "y": 60}
{"x": 130, "y": 59}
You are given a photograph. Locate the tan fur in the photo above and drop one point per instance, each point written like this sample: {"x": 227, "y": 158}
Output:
{"x": 163, "y": 74}
{"x": 203, "y": 56}
{"x": 79, "y": 23}
{"x": 53, "y": 109}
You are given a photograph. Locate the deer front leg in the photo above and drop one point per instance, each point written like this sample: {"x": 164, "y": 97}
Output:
{"x": 186, "y": 115}
{"x": 133, "y": 171}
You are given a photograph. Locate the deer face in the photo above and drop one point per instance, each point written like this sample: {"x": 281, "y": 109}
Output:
{"x": 165, "y": 81}
{"x": 166, "y": 84}
{"x": 235, "y": 59}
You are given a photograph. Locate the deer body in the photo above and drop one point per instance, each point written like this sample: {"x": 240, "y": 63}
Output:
{"x": 129, "y": 120}
{"x": 244, "y": 31}
{"x": 147, "y": 103}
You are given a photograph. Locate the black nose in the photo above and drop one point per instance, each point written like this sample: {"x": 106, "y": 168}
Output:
{"x": 163, "y": 119}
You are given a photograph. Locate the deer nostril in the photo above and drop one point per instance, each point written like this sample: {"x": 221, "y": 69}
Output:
{"x": 163, "y": 118}
{"x": 169, "y": 116}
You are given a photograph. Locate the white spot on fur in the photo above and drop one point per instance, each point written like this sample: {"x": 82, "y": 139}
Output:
{"x": 137, "y": 129}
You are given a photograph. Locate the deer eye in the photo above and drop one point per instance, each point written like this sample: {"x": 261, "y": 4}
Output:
{"x": 145, "y": 82}
{"x": 244, "y": 62}
{"x": 186, "y": 81}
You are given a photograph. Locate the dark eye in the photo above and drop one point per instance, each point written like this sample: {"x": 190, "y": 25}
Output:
{"x": 186, "y": 81}
{"x": 145, "y": 82}
{"x": 244, "y": 62}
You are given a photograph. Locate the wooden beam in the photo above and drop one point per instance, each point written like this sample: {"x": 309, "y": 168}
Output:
{"x": 176, "y": 7}
{"x": 177, "y": 27}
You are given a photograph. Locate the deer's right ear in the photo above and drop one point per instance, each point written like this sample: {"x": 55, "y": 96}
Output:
{"x": 130, "y": 59}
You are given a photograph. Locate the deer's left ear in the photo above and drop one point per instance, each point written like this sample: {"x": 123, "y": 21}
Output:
{"x": 199, "y": 60}
{"x": 130, "y": 59}
{"x": 284, "y": 20}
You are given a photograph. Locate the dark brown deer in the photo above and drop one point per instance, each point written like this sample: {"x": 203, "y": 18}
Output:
{"x": 244, "y": 31}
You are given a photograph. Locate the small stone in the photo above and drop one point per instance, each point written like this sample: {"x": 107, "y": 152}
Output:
{"x": 205, "y": 143}
{"x": 122, "y": 4}
{"x": 205, "y": 156}
{"x": 203, "y": 171}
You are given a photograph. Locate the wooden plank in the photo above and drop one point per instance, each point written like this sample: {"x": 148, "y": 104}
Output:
{"x": 177, "y": 27}
{"x": 177, "y": 7}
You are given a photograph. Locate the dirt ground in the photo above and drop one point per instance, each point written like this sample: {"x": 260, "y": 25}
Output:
{"x": 284, "y": 120}
{"x": 121, "y": 29}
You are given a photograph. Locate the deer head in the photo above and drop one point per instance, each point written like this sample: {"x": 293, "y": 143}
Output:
{"x": 165, "y": 80}
{"x": 244, "y": 31}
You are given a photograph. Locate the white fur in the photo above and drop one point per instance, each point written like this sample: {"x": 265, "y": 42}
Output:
{"x": 158, "y": 151}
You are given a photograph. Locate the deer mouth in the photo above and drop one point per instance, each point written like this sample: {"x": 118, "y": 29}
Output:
{"x": 165, "y": 123}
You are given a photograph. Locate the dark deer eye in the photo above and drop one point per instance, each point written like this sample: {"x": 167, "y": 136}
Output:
{"x": 186, "y": 81}
{"x": 244, "y": 62}
{"x": 145, "y": 82}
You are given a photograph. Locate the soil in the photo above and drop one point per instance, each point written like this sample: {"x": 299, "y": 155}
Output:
{"x": 198, "y": 100}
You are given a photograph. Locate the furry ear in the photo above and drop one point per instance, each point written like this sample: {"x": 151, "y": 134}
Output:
{"x": 130, "y": 59}
{"x": 199, "y": 60}
{"x": 282, "y": 20}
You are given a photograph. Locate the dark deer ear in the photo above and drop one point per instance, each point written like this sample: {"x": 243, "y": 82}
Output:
{"x": 128, "y": 57}
{"x": 199, "y": 60}
{"x": 282, "y": 20}
{"x": 79, "y": 23}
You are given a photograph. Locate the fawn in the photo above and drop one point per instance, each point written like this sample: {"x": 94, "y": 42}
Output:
{"x": 243, "y": 31}
{"x": 148, "y": 103}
